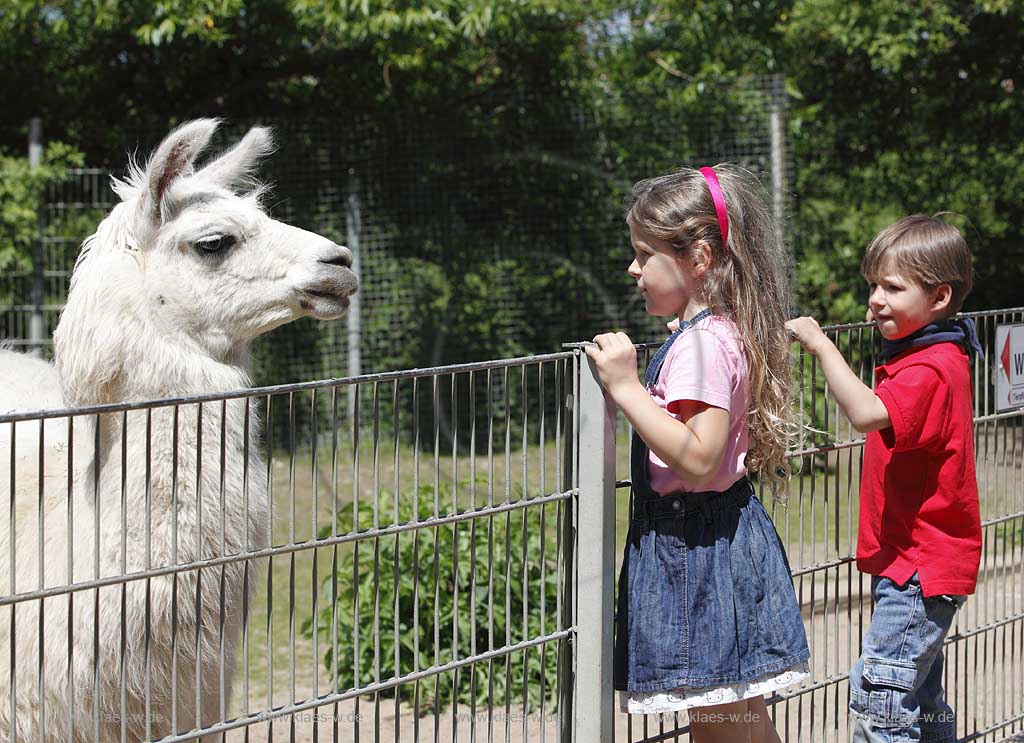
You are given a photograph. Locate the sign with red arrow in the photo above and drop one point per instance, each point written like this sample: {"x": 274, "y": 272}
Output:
{"x": 1010, "y": 367}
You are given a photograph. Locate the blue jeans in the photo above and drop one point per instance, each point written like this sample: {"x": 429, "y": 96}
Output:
{"x": 896, "y": 684}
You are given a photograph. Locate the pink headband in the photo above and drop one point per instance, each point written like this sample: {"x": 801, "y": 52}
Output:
{"x": 719, "y": 199}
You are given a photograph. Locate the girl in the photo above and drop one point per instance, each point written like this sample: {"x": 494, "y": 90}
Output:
{"x": 707, "y": 618}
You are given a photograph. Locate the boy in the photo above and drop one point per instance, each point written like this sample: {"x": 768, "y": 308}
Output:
{"x": 920, "y": 528}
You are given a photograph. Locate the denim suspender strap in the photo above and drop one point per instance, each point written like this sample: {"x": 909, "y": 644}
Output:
{"x": 638, "y": 449}
{"x": 654, "y": 367}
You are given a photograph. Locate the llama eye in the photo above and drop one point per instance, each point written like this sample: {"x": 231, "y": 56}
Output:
{"x": 214, "y": 244}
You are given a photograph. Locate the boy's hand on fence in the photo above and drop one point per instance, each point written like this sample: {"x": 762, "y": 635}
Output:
{"x": 615, "y": 358}
{"x": 807, "y": 331}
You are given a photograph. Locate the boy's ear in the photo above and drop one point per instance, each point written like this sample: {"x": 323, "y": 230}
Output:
{"x": 942, "y": 295}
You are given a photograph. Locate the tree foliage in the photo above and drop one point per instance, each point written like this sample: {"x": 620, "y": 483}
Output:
{"x": 21, "y": 192}
{"x": 906, "y": 108}
{"x": 103, "y": 70}
{"x": 894, "y": 107}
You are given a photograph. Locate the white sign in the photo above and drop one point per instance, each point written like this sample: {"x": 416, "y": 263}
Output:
{"x": 1009, "y": 363}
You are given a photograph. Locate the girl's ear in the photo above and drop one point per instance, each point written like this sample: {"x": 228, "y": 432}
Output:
{"x": 700, "y": 258}
{"x": 942, "y": 295}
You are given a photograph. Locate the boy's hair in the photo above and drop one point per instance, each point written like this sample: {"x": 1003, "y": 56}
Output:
{"x": 928, "y": 252}
{"x": 748, "y": 282}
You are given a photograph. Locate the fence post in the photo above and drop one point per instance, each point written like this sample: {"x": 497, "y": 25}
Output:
{"x": 353, "y": 226}
{"x": 36, "y": 324}
{"x": 595, "y": 560}
{"x": 776, "y": 125}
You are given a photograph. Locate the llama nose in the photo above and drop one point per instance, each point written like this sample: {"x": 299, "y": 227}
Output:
{"x": 337, "y": 255}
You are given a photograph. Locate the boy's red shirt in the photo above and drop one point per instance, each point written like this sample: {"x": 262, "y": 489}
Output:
{"x": 919, "y": 494}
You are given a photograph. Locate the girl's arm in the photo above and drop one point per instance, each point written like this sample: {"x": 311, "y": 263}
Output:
{"x": 859, "y": 402}
{"x": 692, "y": 447}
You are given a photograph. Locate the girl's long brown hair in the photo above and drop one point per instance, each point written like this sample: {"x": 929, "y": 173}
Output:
{"x": 747, "y": 283}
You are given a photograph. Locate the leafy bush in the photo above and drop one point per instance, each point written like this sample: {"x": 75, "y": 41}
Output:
{"x": 438, "y": 594}
{"x": 21, "y": 191}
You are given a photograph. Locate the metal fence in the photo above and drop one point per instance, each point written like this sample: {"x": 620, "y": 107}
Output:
{"x": 984, "y": 673}
{"x": 421, "y": 555}
{"x": 386, "y": 559}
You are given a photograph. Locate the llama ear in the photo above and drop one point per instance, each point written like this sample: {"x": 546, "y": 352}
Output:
{"x": 237, "y": 164}
{"x": 174, "y": 158}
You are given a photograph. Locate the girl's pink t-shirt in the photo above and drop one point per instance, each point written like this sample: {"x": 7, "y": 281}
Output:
{"x": 706, "y": 363}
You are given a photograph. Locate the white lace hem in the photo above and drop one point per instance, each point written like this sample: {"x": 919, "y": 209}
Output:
{"x": 676, "y": 700}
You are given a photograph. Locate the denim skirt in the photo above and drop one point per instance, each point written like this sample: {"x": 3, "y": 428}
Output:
{"x": 705, "y": 596}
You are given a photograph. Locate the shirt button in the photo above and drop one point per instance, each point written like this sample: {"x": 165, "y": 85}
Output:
{"x": 676, "y": 505}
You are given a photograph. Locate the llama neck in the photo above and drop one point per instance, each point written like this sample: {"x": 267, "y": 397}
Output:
{"x": 178, "y": 463}
{"x": 168, "y": 367}
{"x": 156, "y": 370}
{"x": 191, "y": 474}
{"x": 176, "y": 433}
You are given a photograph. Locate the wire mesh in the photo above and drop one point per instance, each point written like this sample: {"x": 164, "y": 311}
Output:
{"x": 470, "y": 227}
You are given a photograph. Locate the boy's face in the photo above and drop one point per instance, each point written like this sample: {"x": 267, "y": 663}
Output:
{"x": 901, "y": 306}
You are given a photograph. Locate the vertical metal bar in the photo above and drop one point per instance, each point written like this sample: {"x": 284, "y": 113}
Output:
{"x": 247, "y": 564}
{"x": 291, "y": 559}
{"x": 335, "y": 660}
{"x": 70, "y": 575}
{"x": 1017, "y": 570}
{"x": 835, "y": 552}
{"x": 123, "y": 650}
{"x": 148, "y": 640}
{"x": 524, "y": 572}
{"x": 197, "y": 634}
{"x": 472, "y": 555}
{"x": 353, "y": 227}
{"x": 508, "y": 549}
{"x": 12, "y": 583}
{"x": 37, "y": 328}
{"x": 222, "y": 613}
{"x": 564, "y": 602}
{"x": 396, "y": 567}
{"x": 175, "y": 419}
{"x": 777, "y": 132}
{"x": 416, "y": 554}
{"x": 542, "y": 528}
{"x": 356, "y": 669}
{"x": 812, "y": 524}
{"x": 41, "y": 567}
{"x": 314, "y": 568}
{"x": 435, "y": 415}
{"x": 269, "y": 474}
{"x": 596, "y": 563}
{"x": 490, "y": 556}
{"x": 376, "y": 559}
{"x": 454, "y": 427}
{"x": 97, "y": 503}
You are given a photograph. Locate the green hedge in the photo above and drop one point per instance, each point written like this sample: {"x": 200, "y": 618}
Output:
{"x": 416, "y": 589}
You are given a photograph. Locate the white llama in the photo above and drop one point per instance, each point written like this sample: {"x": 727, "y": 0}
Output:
{"x": 165, "y": 299}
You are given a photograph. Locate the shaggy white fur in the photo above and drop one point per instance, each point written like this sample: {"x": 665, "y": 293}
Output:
{"x": 165, "y": 299}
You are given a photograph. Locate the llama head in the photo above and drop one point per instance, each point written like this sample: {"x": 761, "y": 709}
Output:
{"x": 185, "y": 272}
